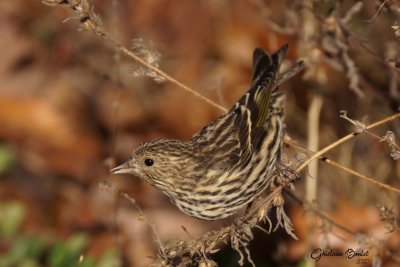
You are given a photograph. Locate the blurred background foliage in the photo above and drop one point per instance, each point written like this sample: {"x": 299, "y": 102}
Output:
{"x": 70, "y": 108}
{"x": 30, "y": 250}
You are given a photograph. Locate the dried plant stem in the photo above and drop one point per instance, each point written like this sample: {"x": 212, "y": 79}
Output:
{"x": 161, "y": 73}
{"x": 314, "y": 112}
{"x": 91, "y": 22}
{"x": 364, "y": 177}
{"x": 344, "y": 168}
{"x": 308, "y": 33}
{"x": 120, "y": 86}
{"x": 379, "y": 138}
{"x": 142, "y": 216}
{"x": 313, "y": 143}
{"x": 132, "y": 55}
{"x": 344, "y": 139}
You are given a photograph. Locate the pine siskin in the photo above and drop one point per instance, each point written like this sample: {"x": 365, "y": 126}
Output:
{"x": 228, "y": 163}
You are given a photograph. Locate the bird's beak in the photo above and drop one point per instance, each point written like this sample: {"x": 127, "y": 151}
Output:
{"x": 124, "y": 168}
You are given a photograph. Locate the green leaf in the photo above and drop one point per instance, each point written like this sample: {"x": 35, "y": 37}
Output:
{"x": 11, "y": 216}
{"x": 67, "y": 254}
{"x": 29, "y": 263}
{"x": 109, "y": 258}
{"x": 6, "y": 158}
{"x": 22, "y": 252}
{"x": 77, "y": 243}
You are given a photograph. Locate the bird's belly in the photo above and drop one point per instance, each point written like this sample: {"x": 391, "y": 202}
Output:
{"x": 226, "y": 198}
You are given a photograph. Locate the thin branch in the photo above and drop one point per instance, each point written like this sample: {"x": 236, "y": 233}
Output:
{"x": 366, "y": 48}
{"x": 92, "y": 22}
{"x": 314, "y": 112}
{"x": 344, "y": 139}
{"x": 142, "y": 216}
{"x": 346, "y": 169}
{"x": 377, "y": 12}
{"x": 132, "y": 55}
{"x": 389, "y": 138}
{"x": 313, "y": 117}
{"x": 352, "y": 34}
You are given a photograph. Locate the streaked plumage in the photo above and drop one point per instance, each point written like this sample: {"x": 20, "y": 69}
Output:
{"x": 230, "y": 161}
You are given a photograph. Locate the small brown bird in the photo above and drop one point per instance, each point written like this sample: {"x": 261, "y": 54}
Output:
{"x": 228, "y": 163}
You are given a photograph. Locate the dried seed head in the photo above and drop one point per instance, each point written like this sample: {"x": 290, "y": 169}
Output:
{"x": 389, "y": 138}
{"x": 396, "y": 29}
{"x": 149, "y": 54}
{"x": 278, "y": 201}
{"x": 261, "y": 213}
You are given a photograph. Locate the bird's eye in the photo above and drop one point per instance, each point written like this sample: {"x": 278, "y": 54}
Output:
{"x": 149, "y": 162}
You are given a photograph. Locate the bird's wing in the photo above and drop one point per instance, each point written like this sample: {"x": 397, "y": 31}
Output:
{"x": 234, "y": 136}
{"x": 219, "y": 142}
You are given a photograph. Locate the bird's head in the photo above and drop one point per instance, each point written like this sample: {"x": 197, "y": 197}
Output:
{"x": 159, "y": 162}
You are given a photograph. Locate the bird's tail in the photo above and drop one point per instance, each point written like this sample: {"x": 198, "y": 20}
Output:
{"x": 266, "y": 65}
{"x": 262, "y": 100}
{"x": 259, "y": 98}
{"x": 260, "y": 111}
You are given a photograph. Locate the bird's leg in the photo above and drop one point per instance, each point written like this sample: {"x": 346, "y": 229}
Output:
{"x": 286, "y": 175}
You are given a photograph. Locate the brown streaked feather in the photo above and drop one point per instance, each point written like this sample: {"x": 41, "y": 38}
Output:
{"x": 256, "y": 103}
